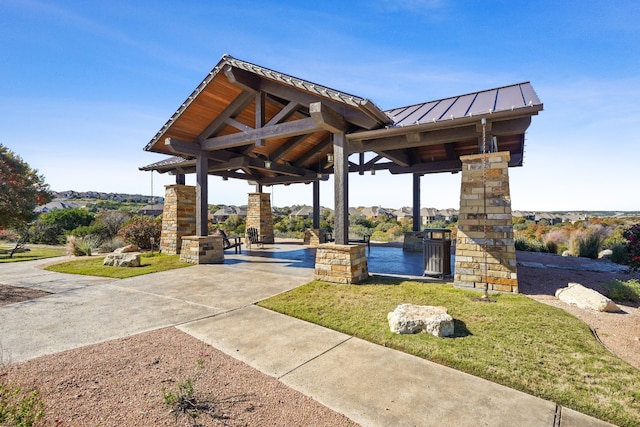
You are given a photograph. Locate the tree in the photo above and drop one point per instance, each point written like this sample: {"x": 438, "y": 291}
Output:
{"x": 21, "y": 190}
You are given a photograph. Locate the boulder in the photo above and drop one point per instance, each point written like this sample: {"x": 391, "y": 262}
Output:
{"x": 606, "y": 254}
{"x": 585, "y": 298}
{"x": 412, "y": 319}
{"x": 127, "y": 249}
{"x": 129, "y": 259}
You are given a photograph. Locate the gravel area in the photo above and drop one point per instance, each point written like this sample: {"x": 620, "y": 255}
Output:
{"x": 121, "y": 382}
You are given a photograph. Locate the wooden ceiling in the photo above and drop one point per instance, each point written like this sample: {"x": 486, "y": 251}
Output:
{"x": 257, "y": 124}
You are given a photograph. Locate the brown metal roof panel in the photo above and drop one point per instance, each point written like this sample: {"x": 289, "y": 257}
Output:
{"x": 483, "y": 103}
{"x": 529, "y": 94}
{"x": 509, "y": 97}
{"x": 438, "y": 111}
{"x": 461, "y": 107}
{"x": 419, "y": 113}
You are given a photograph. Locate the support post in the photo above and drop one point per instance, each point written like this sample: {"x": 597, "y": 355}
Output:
{"x": 341, "y": 188}
{"x": 202, "y": 214}
{"x": 316, "y": 204}
{"x": 416, "y": 202}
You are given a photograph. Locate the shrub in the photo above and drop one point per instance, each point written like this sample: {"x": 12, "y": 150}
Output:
{"x": 623, "y": 291}
{"x": 18, "y": 408}
{"x": 586, "y": 243}
{"x": 85, "y": 230}
{"x": 531, "y": 245}
{"x": 619, "y": 254}
{"x": 111, "y": 244}
{"x": 632, "y": 235}
{"x": 81, "y": 246}
{"x": 140, "y": 230}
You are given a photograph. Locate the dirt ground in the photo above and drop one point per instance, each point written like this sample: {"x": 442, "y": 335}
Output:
{"x": 123, "y": 382}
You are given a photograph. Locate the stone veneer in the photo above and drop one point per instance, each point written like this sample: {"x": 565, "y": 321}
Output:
{"x": 341, "y": 263}
{"x": 413, "y": 241}
{"x": 178, "y": 217}
{"x": 259, "y": 215}
{"x": 202, "y": 250}
{"x": 485, "y": 201}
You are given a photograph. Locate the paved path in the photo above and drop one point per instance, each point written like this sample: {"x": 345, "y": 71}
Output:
{"x": 372, "y": 385}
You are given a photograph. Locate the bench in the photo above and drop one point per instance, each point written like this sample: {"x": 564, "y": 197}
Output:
{"x": 254, "y": 238}
{"x": 366, "y": 239}
{"x": 226, "y": 242}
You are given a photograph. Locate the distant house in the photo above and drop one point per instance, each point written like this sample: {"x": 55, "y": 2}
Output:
{"x": 430, "y": 215}
{"x": 404, "y": 212}
{"x": 527, "y": 216}
{"x": 152, "y": 210}
{"x": 377, "y": 212}
{"x": 55, "y": 205}
{"x": 222, "y": 214}
{"x": 551, "y": 219}
{"x": 303, "y": 212}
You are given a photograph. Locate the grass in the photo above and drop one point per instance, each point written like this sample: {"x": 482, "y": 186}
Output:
{"x": 515, "y": 341}
{"x": 623, "y": 291}
{"x": 34, "y": 253}
{"x": 93, "y": 266}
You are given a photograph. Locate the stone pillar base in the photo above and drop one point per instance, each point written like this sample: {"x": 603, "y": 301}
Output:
{"x": 413, "y": 241}
{"x": 314, "y": 237}
{"x": 345, "y": 264}
{"x": 202, "y": 250}
{"x": 485, "y": 250}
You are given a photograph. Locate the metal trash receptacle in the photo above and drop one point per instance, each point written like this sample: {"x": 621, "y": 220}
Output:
{"x": 437, "y": 252}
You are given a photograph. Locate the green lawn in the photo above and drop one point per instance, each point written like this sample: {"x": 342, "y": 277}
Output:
{"x": 93, "y": 266}
{"x": 34, "y": 253}
{"x": 515, "y": 341}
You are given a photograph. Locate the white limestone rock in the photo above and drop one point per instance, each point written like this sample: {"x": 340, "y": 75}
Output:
{"x": 585, "y": 298}
{"x": 128, "y": 259}
{"x": 126, "y": 249}
{"x": 412, "y": 319}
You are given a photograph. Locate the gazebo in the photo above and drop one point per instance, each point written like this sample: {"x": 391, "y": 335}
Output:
{"x": 244, "y": 121}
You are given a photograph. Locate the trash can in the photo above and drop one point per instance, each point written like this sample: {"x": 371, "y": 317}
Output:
{"x": 437, "y": 252}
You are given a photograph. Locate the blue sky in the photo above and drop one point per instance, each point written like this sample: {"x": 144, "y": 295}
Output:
{"x": 85, "y": 85}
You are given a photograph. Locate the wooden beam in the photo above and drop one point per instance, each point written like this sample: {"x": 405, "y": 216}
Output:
{"x": 326, "y": 118}
{"x": 441, "y": 136}
{"x": 313, "y": 152}
{"x": 288, "y": 146}
{"x": 416, "y": 202}
{"x": 350, "y": 114}
{"x": 281, "y": 130}
{"x": 236, "y": 124}
{"x": 316, "y": 205}
{"x": 237, "y": 105}
{"x": 286, "y": 112}
{"x": 341, "y": 188}
{"x": 260, "y": 115}
{"x": 430, "y": 167}
{"x": 451, "y": 151}
{"x": 202, "y": 189}
{"x": 243, "y": 79}
{"x": 399, "y": 157}
{"x": 182, "y": 147}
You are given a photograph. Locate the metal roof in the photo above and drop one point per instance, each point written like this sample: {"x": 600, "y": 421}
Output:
{"x": 506, "y": 98}
{"x": 287, "y": 145}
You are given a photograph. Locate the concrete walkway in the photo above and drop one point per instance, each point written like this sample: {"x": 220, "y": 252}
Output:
{"x": 372, "y": 385}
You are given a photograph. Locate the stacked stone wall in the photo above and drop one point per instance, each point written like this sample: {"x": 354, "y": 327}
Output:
{"x": 341, "y": 263}
{"x": 259, "y": 215}
{"x": 485, "y": 223}
{"x": 202, "y": 250}
{"x": 178, "y": 217}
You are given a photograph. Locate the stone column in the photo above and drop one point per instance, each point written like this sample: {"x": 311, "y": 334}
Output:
{"x": 345, "y": 264}
{"x": 259, "y": 215}
{"x": 485, "y": 223}
{"x": 178, "y": 217}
